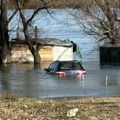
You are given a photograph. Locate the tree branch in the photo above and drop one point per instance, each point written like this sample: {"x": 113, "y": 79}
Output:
{"x": 11, "y": 17}
{"x": 33, "y": 15}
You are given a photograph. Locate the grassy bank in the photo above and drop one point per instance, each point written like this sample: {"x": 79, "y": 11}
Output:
{"x": 32, "y": 109}
{"x": 59, "y": 3}
{"x": 49, "y": 3}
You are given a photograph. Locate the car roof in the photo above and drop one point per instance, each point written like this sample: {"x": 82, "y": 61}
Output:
{"x": 67, "y": 61}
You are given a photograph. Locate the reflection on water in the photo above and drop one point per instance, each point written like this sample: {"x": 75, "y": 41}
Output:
{"x": 32, "y": 81}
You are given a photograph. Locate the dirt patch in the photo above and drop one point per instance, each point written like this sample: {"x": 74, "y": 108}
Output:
{"x": 57, "y": 109}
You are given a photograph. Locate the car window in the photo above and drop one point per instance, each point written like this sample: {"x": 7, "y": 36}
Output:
{"x": 70, "y": 65}
{"x": 53, "y": 66}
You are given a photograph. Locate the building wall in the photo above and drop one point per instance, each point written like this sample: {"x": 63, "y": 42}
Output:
{"x": 46, "y": 54}
{"x": 62, "y": 53}
{"x": 21, "y": 53}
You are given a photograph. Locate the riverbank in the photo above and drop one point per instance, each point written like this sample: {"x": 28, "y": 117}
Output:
{"x": 60, "y": 109}
{"x": 52, "y": 4}
{"x": 58, "y": 4}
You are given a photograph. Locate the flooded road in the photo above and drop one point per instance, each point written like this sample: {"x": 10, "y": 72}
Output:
{"x": 31, "y": 81}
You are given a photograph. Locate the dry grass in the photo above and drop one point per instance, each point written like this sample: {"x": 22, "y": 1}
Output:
{"x": 56, "y": 109}
{"x": 59, "y": 3}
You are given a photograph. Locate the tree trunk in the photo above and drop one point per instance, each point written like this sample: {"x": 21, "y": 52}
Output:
{"x": 34, "y": 52}
{"x": 4, "y": 37}
{"x": 36, "y": 57}
{"x": 32, "y": 48}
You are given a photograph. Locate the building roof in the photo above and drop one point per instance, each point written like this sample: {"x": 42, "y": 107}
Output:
{"x": 46, "y": 42}
{"x": 56, "y": 42}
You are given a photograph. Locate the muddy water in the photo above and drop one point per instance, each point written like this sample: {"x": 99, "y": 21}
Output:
{"x": 32, "y": 81}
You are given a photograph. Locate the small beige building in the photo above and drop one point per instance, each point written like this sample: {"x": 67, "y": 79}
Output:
{"x": 50, "y": 50}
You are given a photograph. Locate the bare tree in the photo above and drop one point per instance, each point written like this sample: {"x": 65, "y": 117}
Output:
{"x": 101, "y": 20}
{"x": 4, "y": 37}
{"x": 26, "y": 22}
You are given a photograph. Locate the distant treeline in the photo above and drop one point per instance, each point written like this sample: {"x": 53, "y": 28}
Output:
{"x": 59, "y": 3}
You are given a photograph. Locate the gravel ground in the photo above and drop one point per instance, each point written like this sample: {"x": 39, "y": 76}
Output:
{"x": 14, "y": 108}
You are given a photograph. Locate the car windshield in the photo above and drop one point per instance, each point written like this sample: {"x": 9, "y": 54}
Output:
{"x": 70, "y": 65}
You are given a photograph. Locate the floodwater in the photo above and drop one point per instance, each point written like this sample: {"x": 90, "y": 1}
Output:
{"x": 31, "y": 81}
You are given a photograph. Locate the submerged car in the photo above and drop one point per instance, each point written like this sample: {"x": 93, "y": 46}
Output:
{"x": 66, "y": 68}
